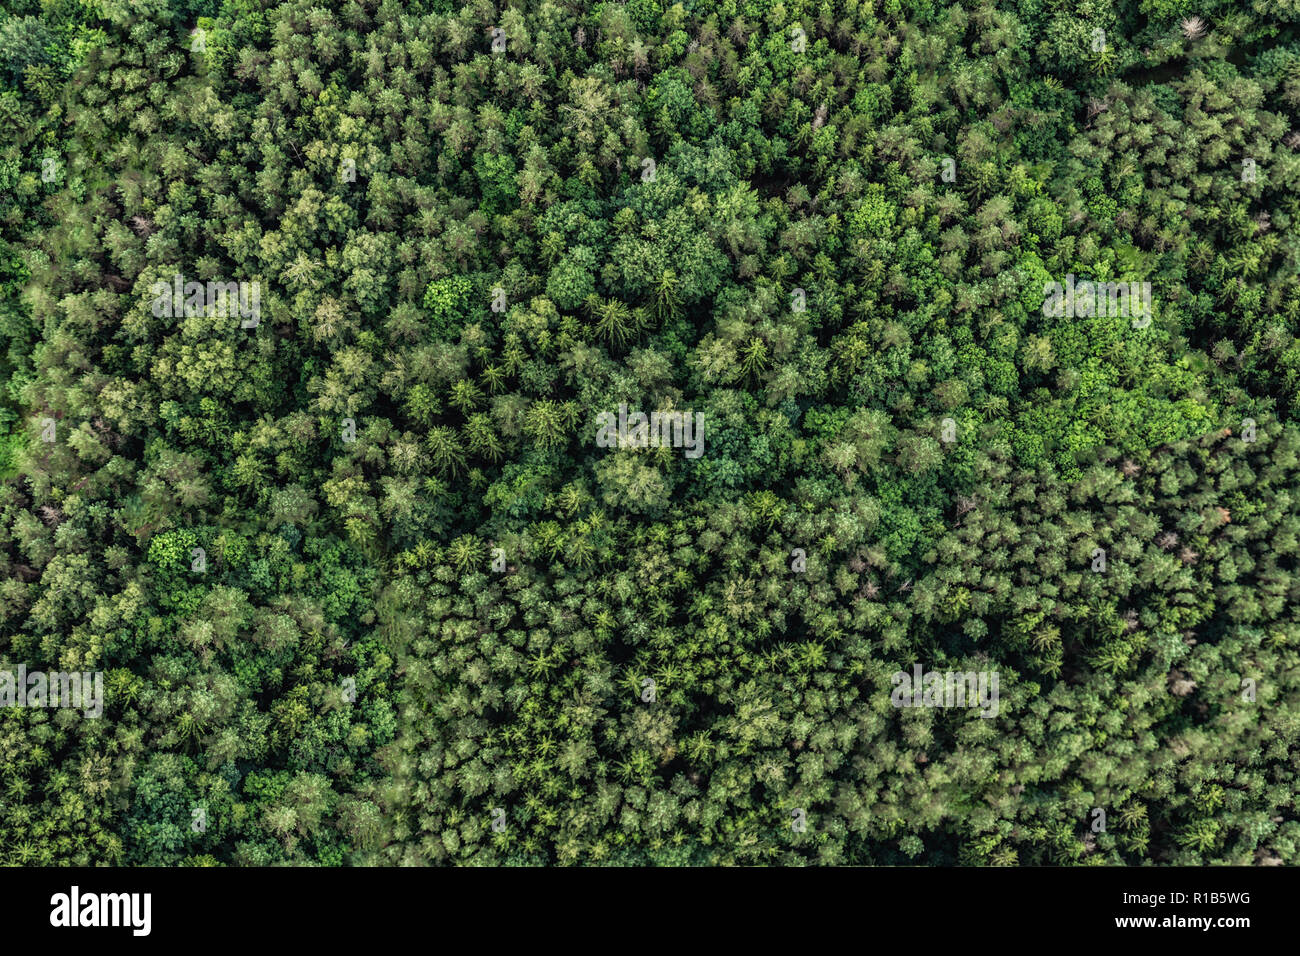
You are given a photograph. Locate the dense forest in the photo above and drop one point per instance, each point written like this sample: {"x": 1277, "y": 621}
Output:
{"x": 364, "y": 587}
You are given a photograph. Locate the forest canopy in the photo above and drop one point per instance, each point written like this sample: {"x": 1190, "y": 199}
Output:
{"x": 545, "y": 432}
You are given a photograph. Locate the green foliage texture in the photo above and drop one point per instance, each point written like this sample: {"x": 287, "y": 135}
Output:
{"x": 431, "y": 602}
